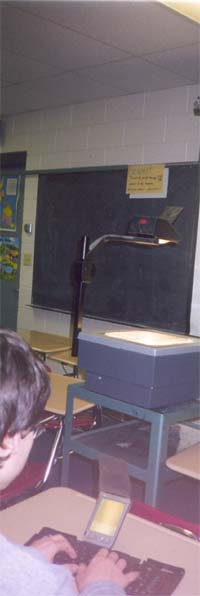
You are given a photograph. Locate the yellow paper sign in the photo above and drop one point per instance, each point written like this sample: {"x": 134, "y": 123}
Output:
{"x": 145, "y": 179}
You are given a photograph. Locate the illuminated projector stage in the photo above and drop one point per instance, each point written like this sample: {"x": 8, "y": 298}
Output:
{"x": 148, "y": 368}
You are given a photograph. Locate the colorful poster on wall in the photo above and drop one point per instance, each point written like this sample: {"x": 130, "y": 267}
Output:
{"x": 9, "y": 257}
{"x": 9, "y": 194}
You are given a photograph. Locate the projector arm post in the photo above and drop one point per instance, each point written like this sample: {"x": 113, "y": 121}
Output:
{"x": 83, "y": 273}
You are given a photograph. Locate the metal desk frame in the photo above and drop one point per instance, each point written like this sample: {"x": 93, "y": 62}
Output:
{"x": 160, "y": 420}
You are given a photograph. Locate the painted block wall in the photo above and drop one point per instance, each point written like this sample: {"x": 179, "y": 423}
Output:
{"x": 156, "y": 127}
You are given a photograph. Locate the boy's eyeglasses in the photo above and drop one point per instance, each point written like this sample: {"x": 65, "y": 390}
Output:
{"x": 37, "y": 430}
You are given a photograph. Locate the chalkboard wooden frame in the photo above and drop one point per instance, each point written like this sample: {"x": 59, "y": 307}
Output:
{"x": 133, "y": 285}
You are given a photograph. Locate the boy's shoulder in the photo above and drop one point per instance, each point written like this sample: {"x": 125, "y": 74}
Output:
{"x": 24, "y": 570}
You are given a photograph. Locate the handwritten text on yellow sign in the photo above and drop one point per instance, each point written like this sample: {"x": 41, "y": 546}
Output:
{"x": 145, "y": 179}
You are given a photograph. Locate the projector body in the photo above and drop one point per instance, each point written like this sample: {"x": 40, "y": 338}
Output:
{"x": 150, "y": 376}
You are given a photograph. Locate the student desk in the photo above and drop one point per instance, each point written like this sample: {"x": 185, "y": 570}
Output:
{"x": 67, "y": 510}
{"x": 186, "y": 461}
{"x": 45, "y": 343}
{"x": 58, "y": 396}
{"x": 92, "y": 444}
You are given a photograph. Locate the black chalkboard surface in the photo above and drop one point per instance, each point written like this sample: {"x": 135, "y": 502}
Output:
{"x": 148, "y": 286}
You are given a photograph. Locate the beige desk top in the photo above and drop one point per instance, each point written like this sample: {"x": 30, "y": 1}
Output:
{"x": 68, "y": 510}
{"x": 45, "y": 342}
{"x": 58, "y": 396}
{"x": 187, "y": 461}
{"x": 64, "y": 357}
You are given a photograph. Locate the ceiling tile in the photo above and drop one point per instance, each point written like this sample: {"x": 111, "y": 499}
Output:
{"x": 135, "y": 75}
{"x": 183, "y": 61}
{"x": 138, "y": 26}
{"x": 17, "y": 68}
{"x": 61, "y": 52}
{"x": 41, "y": 40}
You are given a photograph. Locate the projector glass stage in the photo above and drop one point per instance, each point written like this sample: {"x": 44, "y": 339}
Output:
{"x": 150, "y": 338}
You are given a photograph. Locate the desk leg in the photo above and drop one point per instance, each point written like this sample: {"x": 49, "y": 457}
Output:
{"x": 66, "y": 442}
{"x": 157, "y": 457}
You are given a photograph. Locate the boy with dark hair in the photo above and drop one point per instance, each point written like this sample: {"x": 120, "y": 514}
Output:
{"x": 24, "y": 390}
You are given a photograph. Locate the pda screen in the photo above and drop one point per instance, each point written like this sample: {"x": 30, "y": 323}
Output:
{"x": 108, "y": 516}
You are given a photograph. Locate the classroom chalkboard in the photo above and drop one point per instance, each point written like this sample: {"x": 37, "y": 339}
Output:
{"x": 138, "y": 285}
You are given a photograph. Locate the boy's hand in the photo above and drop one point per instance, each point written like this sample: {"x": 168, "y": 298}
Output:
{"x": 50, "y": 545}
{"x": 105, "y": 566}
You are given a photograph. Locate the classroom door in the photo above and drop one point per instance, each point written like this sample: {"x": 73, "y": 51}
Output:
{"x": 12, "y": 165}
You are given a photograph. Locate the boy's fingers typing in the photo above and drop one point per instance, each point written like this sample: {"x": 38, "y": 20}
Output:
{"x": 52, "y": 544}
{"x": 104, "y": 566}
